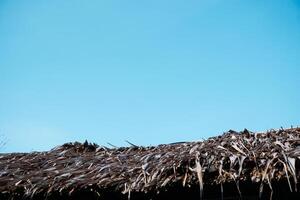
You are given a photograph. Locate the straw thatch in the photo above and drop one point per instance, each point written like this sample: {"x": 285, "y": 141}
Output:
{"x": 234, "y": 158}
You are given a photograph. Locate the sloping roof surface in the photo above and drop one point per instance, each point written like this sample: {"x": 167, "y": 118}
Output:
{"x": 232, "y": 157}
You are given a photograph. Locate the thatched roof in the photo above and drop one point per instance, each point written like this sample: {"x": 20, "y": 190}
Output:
{"x": 235, "y": 157}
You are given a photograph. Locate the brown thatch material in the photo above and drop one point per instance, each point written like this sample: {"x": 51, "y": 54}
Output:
{"x": 261, "y": 158}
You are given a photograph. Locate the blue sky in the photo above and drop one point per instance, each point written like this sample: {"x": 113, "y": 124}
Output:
{"x": 149, "y": 72}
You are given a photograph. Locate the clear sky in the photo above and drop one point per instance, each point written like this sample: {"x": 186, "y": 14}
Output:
{"x": 148, "y": 72}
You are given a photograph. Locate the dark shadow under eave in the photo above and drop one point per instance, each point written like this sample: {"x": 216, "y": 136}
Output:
{"x": 249, "y": 191}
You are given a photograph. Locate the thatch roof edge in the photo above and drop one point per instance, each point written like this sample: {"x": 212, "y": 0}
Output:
{"x": 232, "y": 157}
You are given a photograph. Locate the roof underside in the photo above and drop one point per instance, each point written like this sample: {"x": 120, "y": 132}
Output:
{"x": 235, "y": 157}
